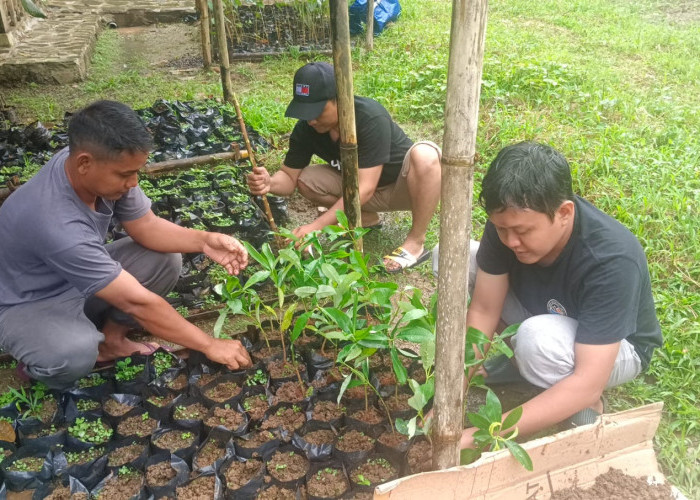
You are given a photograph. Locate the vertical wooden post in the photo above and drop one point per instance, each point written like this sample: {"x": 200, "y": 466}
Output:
{"x": 369, "y": 33}
{"x": 340, "y": 31}
{"x": 223, "y": 51}
{"x": 204, "y": 22}
{"x": 459, "y": 147}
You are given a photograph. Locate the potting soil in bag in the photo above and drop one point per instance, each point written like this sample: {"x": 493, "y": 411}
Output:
{"x": 319, "y": 445}
{"x": 205, "y": 486}
{"x": 175, "y": 440}
{"x": 385, "y": 11}
{"x": 33, "y": 470}
{"x": 242, "y": 478}
{"x": 213, "y": 451}
{"x": 88, "y": 466}
{"x": 128, "y": 452}
{"x": 164, "y": 473}
{"x": 125, "y": 483}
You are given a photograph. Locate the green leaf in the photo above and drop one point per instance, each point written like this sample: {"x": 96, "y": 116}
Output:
{"x": 414, "y": 314}
{"x": 287, "y": 318}
{"x": 492, "y": 410}
{"x": 342, "y": 219}
{"x": 325, "y": 291}
{"x": 468, "y": 456}
{"x": 353, "y": 352}
{"x": 32, "y": 9}
{"x": 519, "y": 453}
{"x": 375, "y": 340}
{"x": 477, "y": 337}
{"x": 478, "y": 420}
{"x": 416, "y": 334}
{"x": 399, "y": 368}
{"x": 512, "y": 418}
{"x": 343, "y": 387}
{"x": 509, "y": 331}
{"x": 305, "y": 291}
{"x": 427, "y": 354}
{"x": 330, "y": 272}
{"x": 219, "y": 323}
{"x": 299, "y": 325}
{"x": 402, "y": 425}
{"x": 235, "y": 306}
{"x": 256, "y": 278}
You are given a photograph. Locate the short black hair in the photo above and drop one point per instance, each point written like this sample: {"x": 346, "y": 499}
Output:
{"x": 107, "y": 129}
{"x": 527, "y": 175}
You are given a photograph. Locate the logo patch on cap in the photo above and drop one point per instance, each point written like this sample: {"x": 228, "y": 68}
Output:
{"x": 302, "y": 89}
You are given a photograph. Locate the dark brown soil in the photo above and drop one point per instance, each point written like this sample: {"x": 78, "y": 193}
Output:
{"x": 10, "y": 378}
{"x": 354, "y": 394}
{"x": 398, "y": 402}
{"x": 223, "y": 391}
{"x": 137, "y": 426}
{"x": 290, "y": 392}
{"x": 420, "y": 457}
{"x": 369, "y": 416}
{"x": 256, "y": 406}
{"x": 392, "y": 439}
{"x": 282, "y": 369}
{"x": 202, "y": 488}
{"x": 46, "y": 431}
{"x": 178, "y": 383}
{"x": 206, "y": 378}
{"x": 418, "y": 375}
{"x": 266, "y": 352}
{"x": 48, "y": 409}
{"x": 176, "y": 439}
{"x": 327, "y": 483}
{"x": 354, "y": 441}
{"x": 194, "y": 411}
{"x": 326, "y": 411}
{"x": 123, "y": 485}
{"x": 125, "y": 454}
{"x": 256, "y": 439}
{"x": 289, "y": 419}
{"x": 210, "y": 453}
{"x": 160, "y": 474}
{"x": 274, "y": 492}
{"x": 374, "y": 470}
{"x": 319, "y": 437}
{"x": 287, "y": 466}
{"x": 115, "y": 409}
{"x": 226, "y": 417}
{"x": 615, "y": 484}
{"x": 60, "y": 493}
{"x": 386, "y": 377}
{"x": 161, "y": 401}
{"x": 240, "y": 473}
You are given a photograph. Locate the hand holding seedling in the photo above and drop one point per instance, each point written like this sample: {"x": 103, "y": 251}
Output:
{"x": 228, "y": 352}
{"x": 227, "y": 251}
{"x": 259, "y": 181}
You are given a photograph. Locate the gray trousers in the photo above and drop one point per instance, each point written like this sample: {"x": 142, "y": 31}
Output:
{"x": 543, "y": 347}
{"x": 57, "y": 338}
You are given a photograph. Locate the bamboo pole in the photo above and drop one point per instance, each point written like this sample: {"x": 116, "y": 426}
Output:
{"x": 340, "y": 32}
{"x": 196, "y": 161}
{"x": 369, "y": 40}
{"x": 223, "y": 51}
{"x": 204, "y": 22}
{"x": 459, "y": 148}
{"x": 251, "y": 156}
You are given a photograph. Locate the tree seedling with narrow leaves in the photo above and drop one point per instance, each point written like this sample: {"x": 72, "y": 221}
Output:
{"x": 30, "y": 402}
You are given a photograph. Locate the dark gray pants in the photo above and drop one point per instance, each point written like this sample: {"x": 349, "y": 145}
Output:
{"x": 57, "y": 338}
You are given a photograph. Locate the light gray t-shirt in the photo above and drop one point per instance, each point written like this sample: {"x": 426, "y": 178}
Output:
{"x": 51, "y": 241}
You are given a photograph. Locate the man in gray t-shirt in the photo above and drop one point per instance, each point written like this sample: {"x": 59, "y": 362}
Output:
{"x": 66, "y": 299}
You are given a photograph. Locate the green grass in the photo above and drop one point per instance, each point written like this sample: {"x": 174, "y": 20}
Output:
{"x": 613, "y": 84}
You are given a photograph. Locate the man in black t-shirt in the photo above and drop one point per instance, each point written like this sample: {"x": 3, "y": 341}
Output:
{"x": 394, "y": 173}
{"x": 575, "y": 279}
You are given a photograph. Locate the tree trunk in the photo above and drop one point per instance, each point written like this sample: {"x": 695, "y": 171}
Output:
{"x": 223, "y": 51}
{"x": 340, "y": 29}
{"x": 369, "y": 32}
{"x": 204, "y": 22}
{"x": 196, "y": 161}
{"x": 459, "y": 148}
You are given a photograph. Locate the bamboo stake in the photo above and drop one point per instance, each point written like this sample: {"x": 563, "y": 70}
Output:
{"x": 204, "y": 22}
{"x": 459, "y": 147}
{"x": 340, "y": 30}
{"x": 369, "y": 40}
{"x": 185, "y": 163}
{"x": 223, "y": 51}
{"x": 251, "y": 156}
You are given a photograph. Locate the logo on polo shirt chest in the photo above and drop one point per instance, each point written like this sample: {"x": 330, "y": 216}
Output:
{"x": 555, "y": 307}
{"x": 302, "y": 89}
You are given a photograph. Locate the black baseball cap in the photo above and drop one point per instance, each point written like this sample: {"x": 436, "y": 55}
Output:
{"x": 314, "y": 85}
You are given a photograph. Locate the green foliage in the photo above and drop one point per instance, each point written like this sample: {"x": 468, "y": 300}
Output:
{"x": 30, "y": 402}
{"x": 162, "y": 362}
{"x": 90, "y": 431}
{"x": 125, "y": 371}
{"x": 91, "y": 380}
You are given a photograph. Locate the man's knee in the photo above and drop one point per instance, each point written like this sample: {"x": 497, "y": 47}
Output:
{"x": 425, "y": 159}
{"x": 544, "y": 349}
{"x": 65, "y": 366}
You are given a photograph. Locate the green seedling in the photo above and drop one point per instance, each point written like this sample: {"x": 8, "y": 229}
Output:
{"x": 91, "y": 431}
{"x": 30, "y": 402}
{"x": 257, "y": 378}
{"x": 162, "y": 362}
{"x": 81, "y": 457}
{"x": 186, "y": 435}
{"x": 27, "y": 464}
{"x": 126, "y": 371}
{"x": 87, "y": 405}
{"x": 92, "y": 380}
{"x": 361, "y": 480}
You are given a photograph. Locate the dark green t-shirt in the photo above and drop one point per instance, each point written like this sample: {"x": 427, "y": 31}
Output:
{"x": 380, "y": 141}
{"x": 601, "y": 279}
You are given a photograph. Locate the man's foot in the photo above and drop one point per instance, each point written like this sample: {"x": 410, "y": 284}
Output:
{"x": 109, "y": 351}
{"x": 401, "y": 259}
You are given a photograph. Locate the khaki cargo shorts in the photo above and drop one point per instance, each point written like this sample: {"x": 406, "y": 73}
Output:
{"x": 326, "y": 180}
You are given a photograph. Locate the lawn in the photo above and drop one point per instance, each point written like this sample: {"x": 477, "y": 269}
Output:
{"x": 613, "y": 84}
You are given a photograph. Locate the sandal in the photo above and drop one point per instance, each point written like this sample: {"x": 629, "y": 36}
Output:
{"x": 405, "y": 259}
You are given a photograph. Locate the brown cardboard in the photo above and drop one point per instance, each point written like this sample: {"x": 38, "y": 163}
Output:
{"x": 574, "y": 457}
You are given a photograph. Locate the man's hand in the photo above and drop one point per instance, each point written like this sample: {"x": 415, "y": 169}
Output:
{"x": 228, "y": 352}
{"x": 302, "y": 231}
{"x": 227, "y": 251}
{"x": 259, "y": 181}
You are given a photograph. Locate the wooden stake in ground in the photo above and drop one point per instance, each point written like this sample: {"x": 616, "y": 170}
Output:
{"x": 223, "y": 50}
{"x": 459, "y": 149}
{"x": 340, "y": 29}
{"x": 251, "y": 155}
{"x": 203, "y": 7}
{"x": 369, "y": 33}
